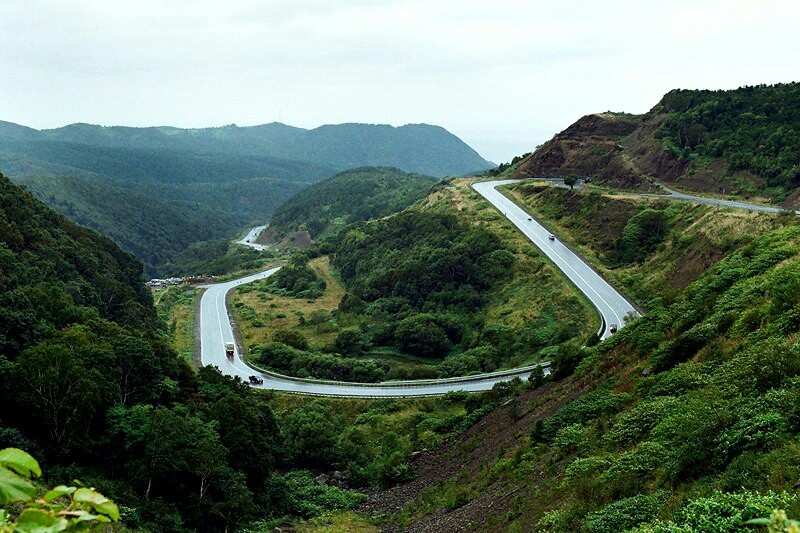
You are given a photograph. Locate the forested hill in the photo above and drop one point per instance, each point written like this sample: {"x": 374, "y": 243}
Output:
{"x": 414, "y": 147}
{"x": 91, "y": 387}
{"x": 155, "y": 231}
{"x": 54, "y": 273}
{"x": 351, "y": 196}
{"x": 744, "y": 142}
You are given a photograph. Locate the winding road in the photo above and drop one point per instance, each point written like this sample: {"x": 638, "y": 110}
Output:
{"x": 610, "y": 303}
{"x": 216, "y": 329}
{"x": 250, "y": 239}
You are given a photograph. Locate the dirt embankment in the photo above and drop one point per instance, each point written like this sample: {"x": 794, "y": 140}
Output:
{"x": 625, "y": 151}
{"x": 590, "y": 147}
{"x": 468, "y": 457}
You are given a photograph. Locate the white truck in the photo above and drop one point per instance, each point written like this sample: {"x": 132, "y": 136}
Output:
{"x": 229, "y": 349}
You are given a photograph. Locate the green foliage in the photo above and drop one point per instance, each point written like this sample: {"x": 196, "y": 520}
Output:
{"x": 571, "y": 180}
{"x": 422, "y": 335}
{"x": 286, "y": 359}
{"x": 350, "y": 196}
{"x": 623, "y": 514}
{"x": 59, "y": 509}
{"x": 422, "y": 279}
{"x": 156, "y": 231}
{"x": 297, "y": 280}
{"x": 302, "y": 497}
{"x": 643, "y": 232}
{"x": 215, "y": 258}
{"x": 312, "y": 432}
{"x": 723, "y": 512}
{"x": 754, "y": 128}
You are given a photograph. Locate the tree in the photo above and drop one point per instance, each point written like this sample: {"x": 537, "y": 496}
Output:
{"x": 571, "y": 180}
{"x": 312, "y": 434}
{"x": 421, "y": 335}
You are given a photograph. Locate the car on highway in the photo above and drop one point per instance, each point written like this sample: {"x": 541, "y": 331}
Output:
{"x": 551, "y": 237}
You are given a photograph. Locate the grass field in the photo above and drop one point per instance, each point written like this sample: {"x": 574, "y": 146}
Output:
{"x": 176, "y": 306}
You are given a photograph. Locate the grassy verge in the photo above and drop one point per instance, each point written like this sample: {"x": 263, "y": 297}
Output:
{"x": 538, "y": 293}
{"x": 694, "y": 237}
{"x": 176, "y": 309}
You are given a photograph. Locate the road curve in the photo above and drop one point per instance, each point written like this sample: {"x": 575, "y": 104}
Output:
{"x": 250, "y": 239}
{"x": 216, "y": 330}
{"x": 610, "y": 303}
{"x": 676, "y": 195}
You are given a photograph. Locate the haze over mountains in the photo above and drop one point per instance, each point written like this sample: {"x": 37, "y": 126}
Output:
{"x": 190, "y": 185}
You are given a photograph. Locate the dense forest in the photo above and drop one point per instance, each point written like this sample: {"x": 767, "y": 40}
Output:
{"x": 153, "y": 230}
{"x": 351, "y": 196}
{"x": 418, "y": 148}
{"x": 90, "y": 386}
{"x": 755, "y": 129}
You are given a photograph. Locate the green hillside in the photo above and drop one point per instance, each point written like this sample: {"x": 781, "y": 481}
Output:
{"x": 742, "y": 142}
{"x": 421, "y": 148}
{"x": 351, "y": 196}
{"x": 752, "y": 129}
{"x": 153, "y": 230}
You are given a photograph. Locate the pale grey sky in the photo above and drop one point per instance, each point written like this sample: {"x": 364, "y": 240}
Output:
{"x": 504, "y": 75}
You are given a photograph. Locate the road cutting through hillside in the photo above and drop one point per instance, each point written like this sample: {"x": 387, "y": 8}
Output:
{"x": 216, "y": 325}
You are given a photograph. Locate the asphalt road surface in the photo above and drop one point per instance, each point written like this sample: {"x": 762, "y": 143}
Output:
{"x": 675, "y": 195}
{"x": 250, "y": 239}
{"x": 610, "y": 303}
{"x": 216, "y": 330}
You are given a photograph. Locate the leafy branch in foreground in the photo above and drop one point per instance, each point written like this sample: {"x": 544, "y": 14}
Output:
{"x": 60, "y": 509}
{"x": 778, "y": 522}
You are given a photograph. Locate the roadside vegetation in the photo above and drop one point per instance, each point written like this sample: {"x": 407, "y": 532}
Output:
{"x": 687, "y": 419}
{"x": 176, "y": 311}
{"x": 443, "y": 289}
{"x": 754, "y": 131}
{"x": 648, "y": 247}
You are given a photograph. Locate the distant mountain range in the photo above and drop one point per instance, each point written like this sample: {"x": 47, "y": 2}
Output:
{"x": 228, "y": 176}
{"x": 420, "y": 148}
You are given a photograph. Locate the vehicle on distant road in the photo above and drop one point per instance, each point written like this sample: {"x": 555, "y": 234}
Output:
{"x": 229, "y": 349}
{"x": 612, "y": 328}
{"x": 551, "y": 237}
{"x": 529, "y": 219}
{"x": 255, "y": 380}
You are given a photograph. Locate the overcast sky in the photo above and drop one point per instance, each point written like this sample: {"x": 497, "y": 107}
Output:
{"x": 504, "y": 75}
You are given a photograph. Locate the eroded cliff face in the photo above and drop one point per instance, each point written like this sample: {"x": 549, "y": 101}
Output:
{"x": 590, "y": 147}
{"x": 624, "y": 151}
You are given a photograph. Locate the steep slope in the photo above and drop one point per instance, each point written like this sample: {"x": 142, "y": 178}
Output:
{"x": 351, "y": 196}
{"x": 685, "y": 420}
{"x": 418, "y": 148}
{"x": 153, "y": 230}
{"x": 741, "y": 142}
{"x": 89, "y": 384}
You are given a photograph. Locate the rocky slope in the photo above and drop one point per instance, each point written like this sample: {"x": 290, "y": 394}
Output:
{"x": 740, "y": 142}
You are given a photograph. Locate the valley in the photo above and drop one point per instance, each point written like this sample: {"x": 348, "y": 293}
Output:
{"x": 446, "y": 344}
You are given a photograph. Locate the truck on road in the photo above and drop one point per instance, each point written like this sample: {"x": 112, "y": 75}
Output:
{"x": 229, "y": 349}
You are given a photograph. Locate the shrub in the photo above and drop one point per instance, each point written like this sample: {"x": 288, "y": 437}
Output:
{"x": 624, "y": 514}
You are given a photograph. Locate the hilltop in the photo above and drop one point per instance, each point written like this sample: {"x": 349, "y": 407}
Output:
{"x": 420, "y": 148}
{"x": 150, "y": 188}
{"x": 350, "y": 196}
{"x": 741, "y": 142}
